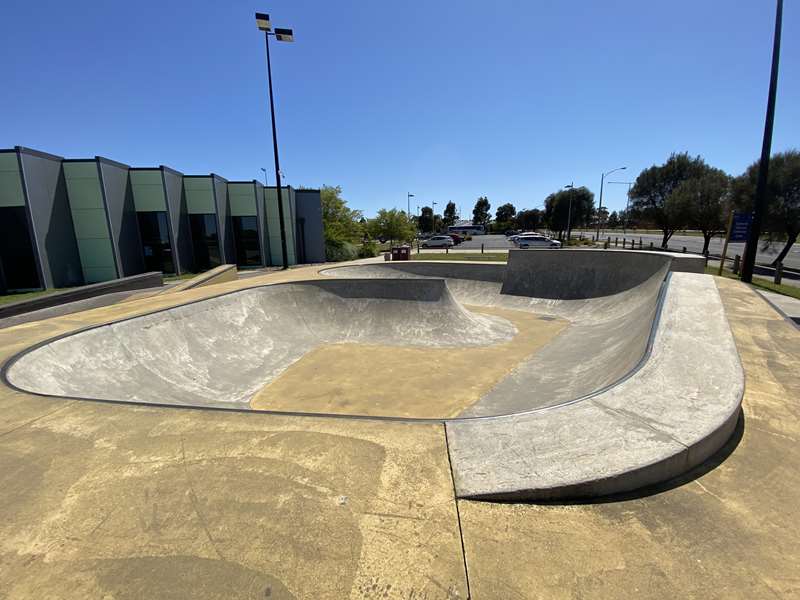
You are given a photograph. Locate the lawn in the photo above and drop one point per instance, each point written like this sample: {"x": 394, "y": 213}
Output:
{"x": 9, "y": 298}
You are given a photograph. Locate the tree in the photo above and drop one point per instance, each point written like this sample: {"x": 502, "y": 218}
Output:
{"x": 529, "y": 220}
{"x": 613, "y": 220}
{"x": 449, "y": 217}
{"x": 505, "y": 213}
{"x": 426, "y": 219}
{"x": 702, "y": 202}
{"x": 655, "y": 185}
{"x": 783, "y": 197}
{"x": 480, "y": 214}
{"x": 340, "y": 223}
{"x": 393, "y": 225}
{"x": 557, "y": 210}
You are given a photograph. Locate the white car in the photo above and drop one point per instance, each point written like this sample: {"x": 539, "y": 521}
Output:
{"x": 439, "y": 241}
{"x": 536, "y": 241}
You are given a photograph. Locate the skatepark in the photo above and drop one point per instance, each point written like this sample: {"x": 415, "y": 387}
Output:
{"x": 229, "y": 439}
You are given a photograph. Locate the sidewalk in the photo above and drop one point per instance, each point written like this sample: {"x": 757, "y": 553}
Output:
{"x": 786, "y": 305}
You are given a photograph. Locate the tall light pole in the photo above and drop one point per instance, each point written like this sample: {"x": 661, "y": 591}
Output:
{"x": 265, "y": 176}
{"x": 409, "y": 196}
{"x": 600, "y": 207}
{"x": 282, "y": 35}
{"x": 571, "y": 188}
{"x": 627, "y": 203}
{"x": 760, "y": 204}
{"x": 433, "y": 218}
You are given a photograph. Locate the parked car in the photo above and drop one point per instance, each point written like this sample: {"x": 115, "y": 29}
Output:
{"x": 536, "y": 241}
{"x": 439, "y": 241}
{"x": 457, "y": 239}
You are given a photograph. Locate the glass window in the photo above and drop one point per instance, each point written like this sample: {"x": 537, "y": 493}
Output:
{"x": 17, "y": 259}
{"x": 157, "y": 250}
{"x": 245, "y": 235}
{"x": 205, "y": 241}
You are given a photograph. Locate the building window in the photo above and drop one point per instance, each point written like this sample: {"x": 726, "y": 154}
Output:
{"x": 245, "y": 235}
{"x": 205, "y": 241}
{"x": 17, "y": 259}
{"x": 154, "y": 231}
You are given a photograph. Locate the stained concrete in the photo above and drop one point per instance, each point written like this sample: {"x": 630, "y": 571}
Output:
{"x": 381, "y": 380}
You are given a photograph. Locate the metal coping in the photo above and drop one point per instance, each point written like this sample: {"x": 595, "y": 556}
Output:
{"x": 443, "y": 420}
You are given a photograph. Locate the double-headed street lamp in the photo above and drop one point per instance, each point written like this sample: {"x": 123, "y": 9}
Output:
{"x": 600, "y": 206}
{"x": 627, "y": 204}
{"x": 282, "y": 35}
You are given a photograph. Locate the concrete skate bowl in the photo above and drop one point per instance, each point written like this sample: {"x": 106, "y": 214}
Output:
{"x": 562, "y": 374}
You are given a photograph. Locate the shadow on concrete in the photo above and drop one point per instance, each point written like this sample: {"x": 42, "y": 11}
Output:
{"x": 708, "y": 465}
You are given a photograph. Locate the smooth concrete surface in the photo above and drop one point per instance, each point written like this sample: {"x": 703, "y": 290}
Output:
{"x": 666, "y": 418}
{"x": 221, "y": 351}
{"x": 727, "y": 530}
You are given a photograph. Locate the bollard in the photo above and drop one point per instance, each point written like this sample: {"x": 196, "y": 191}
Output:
{"x": 616, "y": 242}
{"x": 481, "y": 248}
{"x": 651, "y": 245}
{"x": 640, "y": 243}
{"x": 684, "y": 249}
{"x": 447, "y": 249}
{"x": 581, "y": 238}
{"x": 736, "y": 260}
{"x": 417, "y": 246}
{"x": 606, "y": 243}
{"x": 778, "y": 273}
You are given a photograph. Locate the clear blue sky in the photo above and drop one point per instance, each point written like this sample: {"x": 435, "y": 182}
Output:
{"x": 447, "y": 100}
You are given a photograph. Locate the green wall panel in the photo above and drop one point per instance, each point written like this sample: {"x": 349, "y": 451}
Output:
{"x": 148, "y": 191}
{"x": 90, "y": 221}
{"x": 273, "y": 225}
{"x": 11, "y": 193}
{"x": 199, "y": 195}
{"x": 242, "y": 199}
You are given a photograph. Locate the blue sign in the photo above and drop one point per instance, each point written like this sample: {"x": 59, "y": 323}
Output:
{"x": 740, "y": 228}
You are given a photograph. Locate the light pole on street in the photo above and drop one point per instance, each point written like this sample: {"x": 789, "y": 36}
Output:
{"x": 571, "y": 188}
{"x": 282, "y": 35}
{"x": 265, "y": 176}
{"x": 600, "y": 206}
{"x": 409, "y": 196}
{"x": 627, "y": 204}
{"x": 433, "y": 218}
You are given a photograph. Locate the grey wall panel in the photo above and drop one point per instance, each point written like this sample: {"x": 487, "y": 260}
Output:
{"x": 179, "y": 219}
{"x": 51, "y": 218}
{"x": 122, "y": 216}
{"x": 308, "y": 205}
{"x": 263, "y": 232}
{"x": 227, "y": 248}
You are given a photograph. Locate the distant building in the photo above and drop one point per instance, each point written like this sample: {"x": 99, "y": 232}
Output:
{"x": 66, "y": 222}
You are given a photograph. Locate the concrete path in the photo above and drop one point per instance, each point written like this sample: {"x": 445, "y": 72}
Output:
{"x": 786, "y": 305}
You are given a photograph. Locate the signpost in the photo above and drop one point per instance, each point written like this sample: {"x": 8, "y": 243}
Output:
{"x": 738, "y": 231}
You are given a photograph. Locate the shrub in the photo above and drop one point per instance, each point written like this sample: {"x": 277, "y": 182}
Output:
{"x": 339, "y": 251}
{"x": 368, "y": 250}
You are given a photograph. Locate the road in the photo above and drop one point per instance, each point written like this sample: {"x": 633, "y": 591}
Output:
{"x": 693, "y": 243}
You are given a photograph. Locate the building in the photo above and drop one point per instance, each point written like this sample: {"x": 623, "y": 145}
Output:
{"x": 67, "y": 222}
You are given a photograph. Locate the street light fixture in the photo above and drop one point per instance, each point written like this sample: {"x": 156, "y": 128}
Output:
{"x": 571, "y": 188}
{"x": 409, "y": 196}
{"x": 600, "y": 206}
{"x": 282, "y": 35}
{"x": 265, "y": 176}
{"x": 433, "y": 218}
{"x": 627, "y": 204}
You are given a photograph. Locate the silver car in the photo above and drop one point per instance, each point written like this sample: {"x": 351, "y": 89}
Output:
{"x": 536, "y": 241}
{"x": 439, "y": 241}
